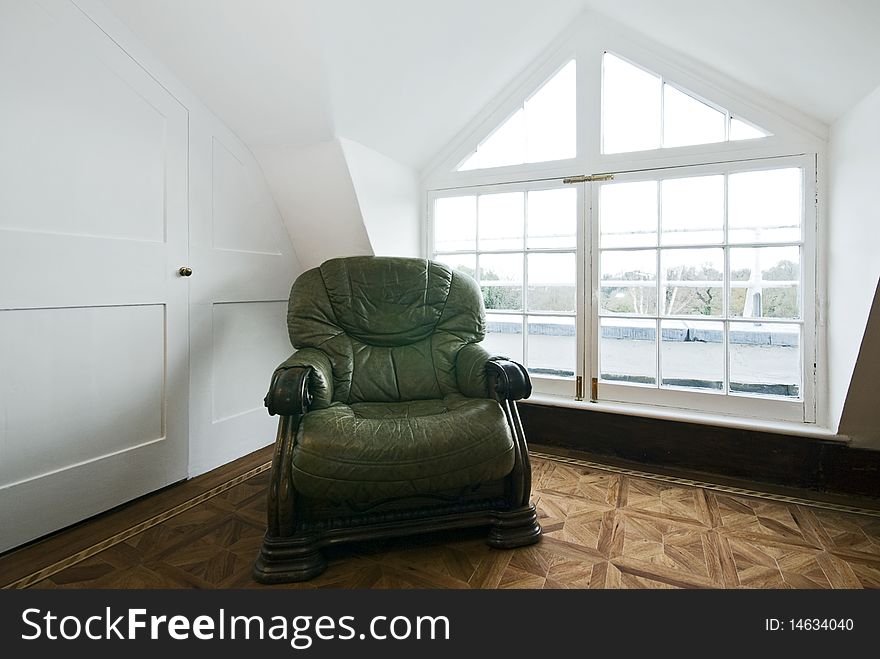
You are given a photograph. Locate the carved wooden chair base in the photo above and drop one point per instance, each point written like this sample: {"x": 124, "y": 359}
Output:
{"x": 299, "y": 558}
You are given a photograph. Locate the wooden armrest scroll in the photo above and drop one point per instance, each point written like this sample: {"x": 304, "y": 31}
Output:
{"x": 289, "y": 391}
{"x": 511, "y": 380}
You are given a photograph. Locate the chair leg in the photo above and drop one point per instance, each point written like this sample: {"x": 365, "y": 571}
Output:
{"x": 283, "y": 561}
{"x": 514, "y": 528}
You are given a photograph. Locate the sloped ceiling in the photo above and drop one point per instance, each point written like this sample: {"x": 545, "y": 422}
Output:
{"x": 819, "y": 56}
{"x": 407, "y": 75}
{"x": 404, "y": 76}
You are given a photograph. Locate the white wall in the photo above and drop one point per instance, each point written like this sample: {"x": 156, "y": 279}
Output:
{"x": 340, "y": 198}
{"x": 388, "y": 197}
{"x": 314, "y": 191}
{"x": 853, "y": 242}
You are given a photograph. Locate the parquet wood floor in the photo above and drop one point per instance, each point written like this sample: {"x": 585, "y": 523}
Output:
{"x": 601, "y": 530}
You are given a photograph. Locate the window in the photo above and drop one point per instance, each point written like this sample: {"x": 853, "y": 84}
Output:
{"x": 642, "y": 111}
{"x": 683, "y": 278}
{"x": 520, "y": 244}
{"x": 543, "y": 128}
{"x": 700, "y": 284}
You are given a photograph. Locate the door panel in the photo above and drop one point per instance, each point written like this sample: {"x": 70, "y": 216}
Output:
{"x": 93, "y": 316}
{"x": 246, "y": 340}
{"x": 243, "y": 267}
{"x": 234, "y": 200}
{"x": 85, "y": 147}
{"x": 85, "y": 356}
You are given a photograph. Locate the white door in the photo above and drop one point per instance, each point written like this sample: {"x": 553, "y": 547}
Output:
{"x": 93, "y": 315}
{"x": 243, "y": 267}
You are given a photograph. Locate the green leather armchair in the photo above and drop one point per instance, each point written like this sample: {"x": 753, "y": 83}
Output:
{"x": 393, "y": 418}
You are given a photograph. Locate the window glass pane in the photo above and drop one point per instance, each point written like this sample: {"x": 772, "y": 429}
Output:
{"x": 765, "y": 206}
{"x": 630, "y": 107}
{"x": 628, "y": 350}
{"x": 765, "y": 359}
{"x": 632, "y": 113}
{"x": 552, "y": 218}
{"x": 466, "y": 263}
{"x": 501, "y": 277}
{"x": 740, "y": 130}
{"x": 552, "y": 345}
{"x": 455, "y": 223}
{"x": 552, "y": 279}
{"x": 692, "y": 281}
{"x": 689, "y": 121}
{"x": 692, "y": 354}
{"x": 628, "y": 282}
{"x": 551, "y": 120}
{"x": 628, "y": 214}
{"x": 506, "y": 146}
{"x": 504, "y": 335}
{"x": 501, "y": 221}
{"x": 545, "y": 128}
{"x": 692, "y": 210}
{"x": 765, "y": 282}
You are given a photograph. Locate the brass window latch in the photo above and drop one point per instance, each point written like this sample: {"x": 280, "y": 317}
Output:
{"x": 589, "y": 178}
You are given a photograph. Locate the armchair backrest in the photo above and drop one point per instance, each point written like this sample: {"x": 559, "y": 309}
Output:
{"x": 391, "y": 327}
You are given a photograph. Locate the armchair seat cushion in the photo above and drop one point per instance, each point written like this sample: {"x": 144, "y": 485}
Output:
{"x": 367, "y": 452}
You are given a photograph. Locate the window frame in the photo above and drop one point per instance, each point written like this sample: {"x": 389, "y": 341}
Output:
{"x": 559, "y": 386}
{"x": 729, "y": 115}
{"x": 518, "y": 108}
{"x": 791, "y": 132}
{"x": 793, "y": 135}
{"x": 802, "y": 409}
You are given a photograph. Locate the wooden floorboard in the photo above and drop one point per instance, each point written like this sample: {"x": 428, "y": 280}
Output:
{"x": 44, "y": 552}
{"x": 603, "y": 529}
{"x": 715, "y": 479}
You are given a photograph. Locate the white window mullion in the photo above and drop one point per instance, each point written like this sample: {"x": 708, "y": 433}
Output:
{"x": 584, "y": 304}
{"x": 727, "y": 279}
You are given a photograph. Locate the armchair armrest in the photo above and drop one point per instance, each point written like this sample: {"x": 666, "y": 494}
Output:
{"x": 511, "y": 379}
{"x": 289, "y": 391}
{"x": 304, "y": 380}
{"x": 480, "y": 374}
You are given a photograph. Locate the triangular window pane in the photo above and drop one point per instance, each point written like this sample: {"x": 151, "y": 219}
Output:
{"x": 688, "y": 121}
{"x": 742, "y": 130}
{"x": 641, "y": 111}
{"x": 544, "y": 128}
{"x": 630, "y": 107}
{"x": 505, "y": 146}
{"x": 551, "y": 118}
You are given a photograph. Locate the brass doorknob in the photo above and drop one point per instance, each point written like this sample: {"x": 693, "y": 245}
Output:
{"x": 185, "y": 271}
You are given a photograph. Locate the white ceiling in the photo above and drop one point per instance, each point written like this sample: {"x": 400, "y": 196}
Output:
{"x": 819, "y": 56}
{"x": 407, "y": 75}
{"x": 404, "y": 76}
